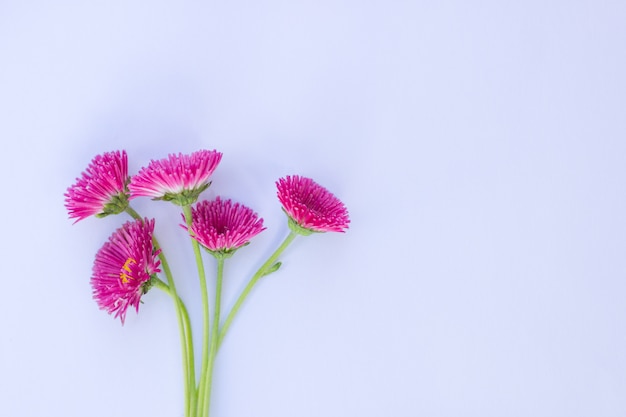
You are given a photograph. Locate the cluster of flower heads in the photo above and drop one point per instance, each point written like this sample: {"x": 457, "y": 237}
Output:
{"x": 125, "y": 264}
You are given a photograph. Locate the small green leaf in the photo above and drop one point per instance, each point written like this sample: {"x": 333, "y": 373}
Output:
{"x": 272, "y": 268}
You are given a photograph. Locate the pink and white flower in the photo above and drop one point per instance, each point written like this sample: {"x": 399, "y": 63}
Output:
{"x": 177, "y": 178}
{"x": 310, "y": 206}
{"x": 123, "y": 268}
{"x": 102, "y": 188}
{"x": 222, "y": 226}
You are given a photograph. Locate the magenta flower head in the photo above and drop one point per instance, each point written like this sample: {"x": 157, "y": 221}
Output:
{"x": 311, "y": 207}
{"x": 124, "y": 267}
{"x": 102, "y": 189}
{"x": 223, "y": 227}
{"x": 177, "y": 178}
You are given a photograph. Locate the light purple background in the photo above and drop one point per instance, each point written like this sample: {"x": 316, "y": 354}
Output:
{"x": 479, "y": 146}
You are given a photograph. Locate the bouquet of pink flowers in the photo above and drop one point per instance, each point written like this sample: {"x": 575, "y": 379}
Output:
{"x": 132, "y": 261}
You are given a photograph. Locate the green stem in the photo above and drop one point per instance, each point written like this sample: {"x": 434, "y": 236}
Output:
{"x": 186, "y": 341}
{"x": 263, "y": 270}
{"x": 192, "y": 395}
{"x": 184, "y": 325}
{"x": 205, "y": 313}
{"x": 132, "y": 213}
{"x": 214, "y": 335}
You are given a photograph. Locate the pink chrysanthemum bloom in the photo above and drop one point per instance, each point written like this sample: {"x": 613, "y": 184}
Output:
{"x": 102, "y": 189}
{"x": 177, "y": 178}
{"x": 123, "y": 268}
{"x": 311, "y": 207}
{"x": 223, "y": 227}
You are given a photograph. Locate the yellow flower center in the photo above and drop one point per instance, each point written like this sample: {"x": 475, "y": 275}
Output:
{"x": 124, "y": 277}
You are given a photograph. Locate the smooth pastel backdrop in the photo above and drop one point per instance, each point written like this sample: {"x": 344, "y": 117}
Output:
{"x": 480, "y": 148}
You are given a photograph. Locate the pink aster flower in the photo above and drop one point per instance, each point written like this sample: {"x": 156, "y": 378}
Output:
{"x": 123, "y": 268}
{"x": 177, "y": 178}
{"x": 311, "y": 207}
{"x": 223, "y": 227}
{"x": 102, "y": 188}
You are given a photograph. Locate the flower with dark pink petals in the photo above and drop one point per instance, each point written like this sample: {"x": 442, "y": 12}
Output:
{"x": 222, "y": 226}
{"x": 123, "y": 268}
{"x": 177, "y": 178}
{"x": 311, "y": 207}
{"x": 102, "y": 188}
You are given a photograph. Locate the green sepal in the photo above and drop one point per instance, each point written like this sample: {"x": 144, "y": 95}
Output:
{"x": 148, "y": 284}
{"x": 296, "y": 228}
{"x": 116, "y": 205}
{"x": 223, "y": 254}
{"x": 185, "y": 197}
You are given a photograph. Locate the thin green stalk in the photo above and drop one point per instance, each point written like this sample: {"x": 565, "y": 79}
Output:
{"x": 184, "y": 326}
{"x": 205, "y": 312}
{"x": 214, "y": 335}
{"x": 263, "y": 270}
{"x": 186, "y": 339}
{"x": 192, "y": 394}
{"x": 132, "y": 213}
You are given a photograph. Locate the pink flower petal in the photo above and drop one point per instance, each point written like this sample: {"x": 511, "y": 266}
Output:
{"x": 123, "y": 266}
{"x": 312, "y": 206}
{"x": 221, "y": 226}
{"x": 175, "y": 175}
{"x": 103, "y": 183}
